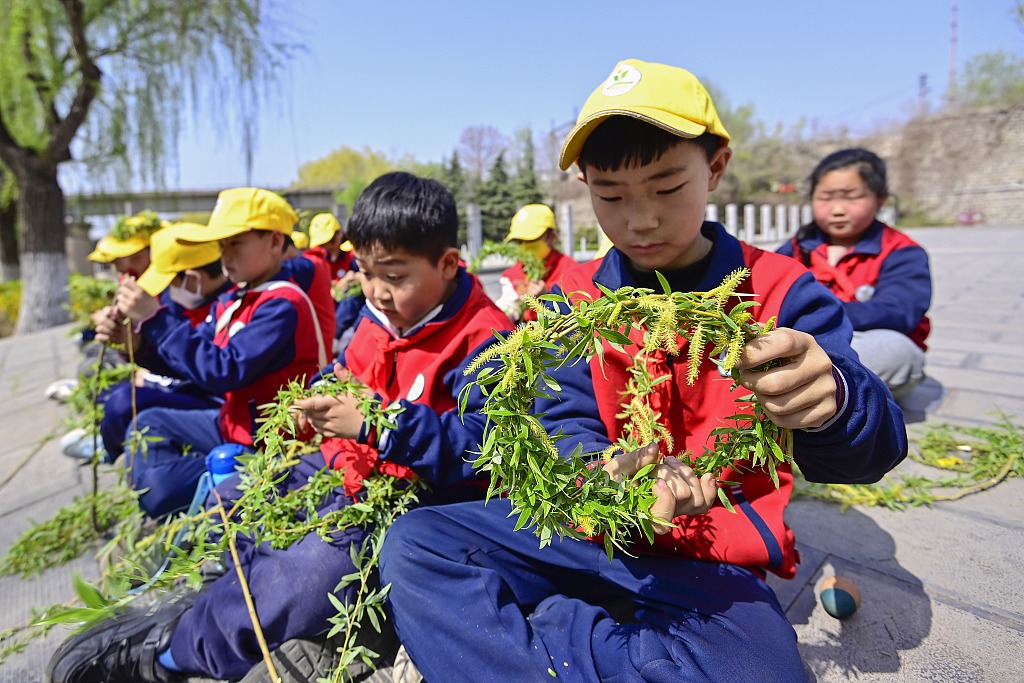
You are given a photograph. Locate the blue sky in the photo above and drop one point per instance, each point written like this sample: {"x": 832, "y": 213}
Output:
{"x": 408, "y": 77}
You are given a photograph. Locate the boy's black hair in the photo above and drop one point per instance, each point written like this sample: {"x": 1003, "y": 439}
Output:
{"x": 627, "y": 141}
{"x": 869, "y": 166}
{"x": 402, "y": 211}
{"x": 213, "y": 269}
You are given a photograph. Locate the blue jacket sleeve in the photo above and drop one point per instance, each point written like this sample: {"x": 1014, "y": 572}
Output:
{"x": 440, "y": 448}
{"x": 148, "y": 356}
{"x": 786, "y": 248}
{"x": 301, "y": 270}
{"x": 574, "y": 405}
{"x": 264, "y": 345}
{"x": 867, "y": 437}
{"x": 902, "y": 295}
{"x": 346, "y": 313}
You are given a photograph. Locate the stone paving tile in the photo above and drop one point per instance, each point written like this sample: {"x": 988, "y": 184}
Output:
{"x": 977, "y": 406}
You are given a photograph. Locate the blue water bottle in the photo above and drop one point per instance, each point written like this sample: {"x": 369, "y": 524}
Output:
{"x": 222, "y": 461}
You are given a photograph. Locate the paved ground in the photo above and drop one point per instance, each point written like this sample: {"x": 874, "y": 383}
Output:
{"x": 941, "y": 586}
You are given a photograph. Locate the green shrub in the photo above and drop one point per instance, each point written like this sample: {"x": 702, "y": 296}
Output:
{"x": 87, "y": 295}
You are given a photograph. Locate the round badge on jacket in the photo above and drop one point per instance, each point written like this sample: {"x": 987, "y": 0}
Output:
{"x": 864, "y": 293}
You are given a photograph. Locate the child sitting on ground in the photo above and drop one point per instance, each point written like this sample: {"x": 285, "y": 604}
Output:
{"x": 533, "y": 228}
{"x": 187, "y": 279}
{"x": 693, "y": 605}
{"x": 257, "y": 339}
{"x": 881, "y": 275}
{"x": 424, "y": 316}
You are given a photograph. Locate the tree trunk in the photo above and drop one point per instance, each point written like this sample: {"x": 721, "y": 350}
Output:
{"x": 9, "y": 263}
{"x": 44, "y": 288}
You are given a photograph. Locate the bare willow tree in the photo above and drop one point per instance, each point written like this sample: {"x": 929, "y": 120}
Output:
{"x": 478, "y": 147}
{"x": 108, "y": 81}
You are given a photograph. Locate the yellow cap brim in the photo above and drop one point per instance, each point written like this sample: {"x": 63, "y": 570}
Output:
{"x": 111, "y": 249}
{"x": 526, "y": 233}
{"x": 676, "y": 125}
{"x": 100, "y": 256}
{"x": 210, "y": 233}
{"x": 153, "y": 281}
{"x": 346, "y": 246}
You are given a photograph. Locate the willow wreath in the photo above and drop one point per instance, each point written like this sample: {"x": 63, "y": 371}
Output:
{"x": 566, "y": 494}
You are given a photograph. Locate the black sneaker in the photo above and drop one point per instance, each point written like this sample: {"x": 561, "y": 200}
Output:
{"x": 309, "y": 659}
{"x": 122, "y": 649}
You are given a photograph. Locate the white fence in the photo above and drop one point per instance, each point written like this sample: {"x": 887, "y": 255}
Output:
{"x": 766, "y": 224}
{"x": 771, "y": 223}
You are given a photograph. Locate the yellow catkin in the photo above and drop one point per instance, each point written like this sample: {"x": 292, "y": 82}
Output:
{"x": 735, "y": 349}
{"x": 667, "y": 329}
{"x": 694, "y": 355}
{"x": 538, "y": 432}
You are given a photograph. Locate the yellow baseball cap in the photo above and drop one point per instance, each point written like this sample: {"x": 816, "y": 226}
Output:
{"x": 169, "y": 256}
{"x": 531, "y": 222}
{"x": 300, "y": 239}
{"x": 322, "y": 229}
{"x": 241, "y": 209}
{"x": 665, "y": 96}
{"x": 110, "y": 248}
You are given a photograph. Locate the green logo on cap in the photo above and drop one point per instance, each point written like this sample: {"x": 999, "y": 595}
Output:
{"x": 623, "y": 79}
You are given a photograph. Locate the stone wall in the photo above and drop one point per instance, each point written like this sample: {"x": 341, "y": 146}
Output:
{"x": 963, "y": 163}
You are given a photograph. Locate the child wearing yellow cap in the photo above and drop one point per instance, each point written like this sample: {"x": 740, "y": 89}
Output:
{"x": 533, "y": 228}
{"x": 127, "y": 246}
{"x": 692, "y": 605}
{"x": 126, "y": 249}
{"x": 327, "y": 241}
{"x": 256, "y": 339}
{"x": 187, "y": 279}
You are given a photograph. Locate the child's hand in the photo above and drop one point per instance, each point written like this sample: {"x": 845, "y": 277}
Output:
{"x": 534, "y": 288}
{"x": 134, "y": 302}
{"x": 107, "y": 325}
{"x": 678, "y": 489}
{"x": 799, "y": 394}
{"x": 334, "y": 417}
{"x": 347, "y": 279}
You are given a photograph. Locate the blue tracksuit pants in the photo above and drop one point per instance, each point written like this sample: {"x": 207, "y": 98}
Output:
{"x": 289, "y": 588}
{"x": 163, "y": 467}
{"x": 117, "y": 410}
{"x": 474, "y": 601}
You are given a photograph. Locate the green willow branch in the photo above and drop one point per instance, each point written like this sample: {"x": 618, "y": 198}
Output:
{"x": 533, "y": 267}
{"x": 571, "y": 495}
{"x": 263, "y": 511}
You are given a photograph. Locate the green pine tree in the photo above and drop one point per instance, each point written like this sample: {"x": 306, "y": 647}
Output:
{"x": 497, "y": 203}
{"x": 525, "y": 188}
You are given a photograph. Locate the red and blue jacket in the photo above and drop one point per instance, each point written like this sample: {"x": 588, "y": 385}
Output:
{"x": 884, "y": 281}
{"x": 344, "y": 262}
{"x": 255, "y": 341}
{"x": 147, "y": 356}
{"x": 555, "y": 265}
{"x": 865, "y": 439}
{"x": 313, "y": 275}
{"x": 422, "y": 373}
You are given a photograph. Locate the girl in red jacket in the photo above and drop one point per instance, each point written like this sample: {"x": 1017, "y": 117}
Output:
{"x": 881, "y": 275}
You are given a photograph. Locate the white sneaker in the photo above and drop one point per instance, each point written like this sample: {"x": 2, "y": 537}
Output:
{"x": 78, "y": 444}
{"x": 61, "y": 389}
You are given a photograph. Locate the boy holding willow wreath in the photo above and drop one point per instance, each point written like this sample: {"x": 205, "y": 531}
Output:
{"x": 687, "y": 600}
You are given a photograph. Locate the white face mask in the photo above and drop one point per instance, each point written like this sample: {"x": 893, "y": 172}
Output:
{"x": 185, "y": 298}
